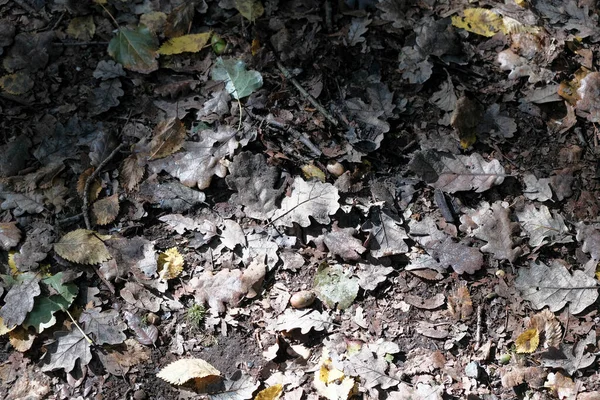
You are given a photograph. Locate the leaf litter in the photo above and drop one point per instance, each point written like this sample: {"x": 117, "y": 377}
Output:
{"x": 356, "y": 207}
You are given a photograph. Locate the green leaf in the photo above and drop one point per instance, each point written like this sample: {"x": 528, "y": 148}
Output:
{"x": 238, "y": 81}
{"x": 42, "y": 315}
{"x": 135, "y": 49}
{"x": 333, "y": 287}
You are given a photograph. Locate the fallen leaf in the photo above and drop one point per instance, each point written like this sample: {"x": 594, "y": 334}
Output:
{"x": 331, "y": 382}
{"x": 561, "y": 385}
{"x": 145, "y": 334}
{"x": 167, "y": 138}
{"x": 340, "y": 241}
{"x": 83, "y": 247}
{"x": 180, "y": 19}
{"x": 421, "y": 391}
{"x": 305, "y": 320}
{"x": 19, "y": 300}
{"x": 335, "y": 287}
{"x": 371, "y": 368}
{"x": 135, "y": 49}
{"x": 170, "y": 264}
{"x": 358, "y": 27}
{"x": 17, "y": 83}
{"x": 21, "y": 339}
{"x": 181, "y": 371}
{"x": 271, "y": 393}
{"x": 371, "y": 275}
{"x": 67, "y": 348}
{"x": 572, "y": 358}
{"x": 82, "y": 28}
{"x": 308, "y": 199}
{"x": 239, "y": 386}
{"x": 185, "y": 44}
{"x": 514, "y": 376}
{"x": 105, "y": 97}
{"x": 10, "y": 235}
{"x": 250, "y": 9}
{"x": 540, "y": 225}
{"x": 528, "y": 341}
{"x": 105, "y": 327}
{"x": 106, "y": 210}
{"x": 554, "y": 286}
{"x": 239, "y": 82}
{"x": 452, "y": 173}
{"x": 460, "y": 304}
{"x": 546, "y": 323}
{"x": 136, "y": 294}
{"x": 537, "y": 189}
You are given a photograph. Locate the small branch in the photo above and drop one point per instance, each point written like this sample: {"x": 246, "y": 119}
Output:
{"x": 65, "y": 44}
{"x": 109, "y": 285}
{"x": 86, "y": 188}
{"x": 304, "y": 93}
{"x": 90, "y": 341}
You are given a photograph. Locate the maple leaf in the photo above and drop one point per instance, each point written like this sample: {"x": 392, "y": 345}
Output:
{"x": 20, "y": 299}
{"x": 83, "y": 246}
{"x": 67, "y": 348}
{"x": 308, "y": 199}
{"x": 452, "y": 173}
{"x": 554, "y": 286}
{"x": 104, "y": 326}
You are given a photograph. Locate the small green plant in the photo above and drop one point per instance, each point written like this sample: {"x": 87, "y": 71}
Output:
{"x": 195, "y": 315}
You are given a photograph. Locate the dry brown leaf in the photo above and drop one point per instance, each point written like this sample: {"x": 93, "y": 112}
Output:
{"x": 460, "y": 305}
{"x": 132, "y": 171}
{"x": 170, "y": 264}
{"x": 106, "y": 210}
{"x": 181, "y": 371}
{"x": 561, "y": 385}
{"x": 10, "y": 235}
{"x": 180, "y": 19}
{"x": 167, "y": 138}
{"x": 548, "y": 326}
{"x": 534, "y": 376}
{"x": 83, "y": 247}
{"x": 95, "y": 186}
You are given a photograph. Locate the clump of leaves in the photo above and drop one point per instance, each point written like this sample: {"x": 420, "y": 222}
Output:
{"x": 195, "y": 315}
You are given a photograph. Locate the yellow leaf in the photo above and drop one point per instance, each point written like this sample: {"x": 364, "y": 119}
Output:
{"x": 14, "y": 271}
{"x": 106, "y": 210}
{"x": 250, "y": 9}
{"x": 21, "y": 339}
{"x": 568, "y": 89}
{"x": 170, "y": 264}
{"x": 155, "y": 20}
{"x": 185, "y": 44}
{"x": 480, "y": 21}
{"x": 82, "y": 28}
{"x": 331, "y": 382}
{"x": 270, "y": 393}
{"x": 310, "y": 171}
{"x": 528, "y": 341}
{"x": 17, "y": 83}
{"x": 181, "y": 371}
{"x": 83, "y": 247}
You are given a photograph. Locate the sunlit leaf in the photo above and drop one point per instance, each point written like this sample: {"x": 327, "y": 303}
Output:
{"x": 528, "y": 341}
{"x": 83, "y": 246}
{"x": 185, "y": 44}
{"x": 181, "y": 371}
{"x": 170, "y": 264}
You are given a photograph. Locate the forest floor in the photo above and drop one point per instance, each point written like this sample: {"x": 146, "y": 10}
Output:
{"x": 299, "y": 199}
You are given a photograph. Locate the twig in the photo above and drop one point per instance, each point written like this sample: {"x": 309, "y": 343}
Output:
{"x": 65, "y": 44}
{"x": 70, "y": 220}
{"x": 304, "y": 93}
{"x": 302, "y": 137}
{"x": 479, "y": 324}
{"x": 90, "y": 341}
{"x": 86, "y": 188}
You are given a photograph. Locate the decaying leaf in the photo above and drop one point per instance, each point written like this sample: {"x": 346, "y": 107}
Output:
{"x": 543, "y": 227}
{"x": 21, "y": 339}
{"x": 514, "y": 376}
{"x": 136, "y": 294}
{"x": 180, "y": 19}
{"x": 239, "y": 386}
{"x": 442, "y": 251}
{"x": 460, "y": 305}
{"x": 250, "y": 9}
{"x": 308, "y": 199}
{"x": 145, "y": 334}
{"x": 10, "y": 235}
{"x": 340, "y": 241}
{"x": 305, "y": 320}
{"x": 105, "y": 327}
{"x": 20, "y": 299}
{"x": 554, "y": 286}
{"x": 371, "y": 275}
{"x": 372, "y": 367}
{"x": 83, "y": 247}
{"x": 572, "y": 358}
{"x": 452, "y": 173}
{"x": 331, "y": 382}
{"x": 181, "y": 371}
{"x": 106, "y": 210}
{"x": 167, "y": 138}
{"x": 334, "y": 287}
{"x": 537, "y": 189}
{"x": 105, "y": 96}
{"x": 549, "y": 327}
{"x": 422, "y": 391}
{"x": 170, "y": 264}
{"x": 561, "y": 385}
{"x": 492, "y": 224}
{"x": 387, "y": 235}
{"x": 67, "y": 348}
